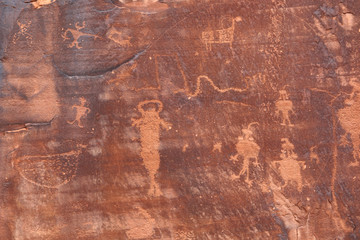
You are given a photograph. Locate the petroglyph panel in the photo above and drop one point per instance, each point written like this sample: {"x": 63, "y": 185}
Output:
{"x": 179, "y": 119}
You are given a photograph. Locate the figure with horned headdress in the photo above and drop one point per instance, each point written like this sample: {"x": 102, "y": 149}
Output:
{"x": 149, "y": 125}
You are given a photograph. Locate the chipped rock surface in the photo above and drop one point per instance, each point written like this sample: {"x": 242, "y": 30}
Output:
{"x": 179, "y": 119}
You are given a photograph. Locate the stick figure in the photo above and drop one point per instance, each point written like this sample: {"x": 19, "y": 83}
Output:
{"x": 284, "y": 106}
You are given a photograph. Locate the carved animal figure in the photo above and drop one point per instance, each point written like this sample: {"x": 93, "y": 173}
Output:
{"x": 149, "y": 125}
{"x": 76, "y": 34}
{"x": 117, "y": 36}
{"x": 284, "y": 107}
{"x": 248, "y": 149}
{"x": 220, "y": 36}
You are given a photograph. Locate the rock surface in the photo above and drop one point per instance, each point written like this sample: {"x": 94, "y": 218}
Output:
{"x": 179, "y": 119}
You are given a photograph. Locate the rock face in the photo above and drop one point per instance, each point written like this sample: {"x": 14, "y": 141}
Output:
{"x": 179, "y": 119}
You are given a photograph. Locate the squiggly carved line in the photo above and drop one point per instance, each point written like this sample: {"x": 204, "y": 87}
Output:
{"x": 216, "y": 88}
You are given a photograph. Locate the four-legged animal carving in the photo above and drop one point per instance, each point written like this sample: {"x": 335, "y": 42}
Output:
{"x": 220, "y": 36}
{"x": 117, "y": 36}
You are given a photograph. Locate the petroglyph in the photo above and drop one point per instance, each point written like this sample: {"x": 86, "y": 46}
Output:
{"x": 217, "y": 147}
{"x": 51, "y": 171}
{"x": 40, "y": 3}
{"x": 289, "y": 167}
{"x": 284, "y": 107}
{"x": 142, "y": 6}
{"x": 349, "y": 119}
{"x": 119, "y": 37}
{"x": 81, "y": 111}
{"x": 24, "y": 27}
{"x": 141, "y": 225}
{"x": 247, "y": 148}
{"x": 149, "y": 125}
{"x": 185, "y": 235}
{"x": 169, "y": 73}
{"x": 220, "y": 36}
{"x": 185, "y": 147}
{"x": 313, "y": 155}
{"x": 207, "y": 79}
{"x": 76, "y": 34}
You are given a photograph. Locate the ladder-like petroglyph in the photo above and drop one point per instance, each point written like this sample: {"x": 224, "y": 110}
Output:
{"x": 284, "y": 107}
{"x": 150, "y": 124}
{"x": 289, "y": 167}
{"x": 81, "y": 111}
{"x": 185, "y": 235}
{"x": 220, "y": 36}
{"x": 76, "y": 35}
{"x": 248, "y": 149}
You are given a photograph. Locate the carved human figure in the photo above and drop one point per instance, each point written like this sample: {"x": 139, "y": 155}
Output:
{"x": 149, "y": 125}
{"x": 247, "y": 148}
{"x": 81, "y": 111}
{"x": 76, "y": 34}
{"x": 284, "y": 107}
{"x": 289, "y": 167}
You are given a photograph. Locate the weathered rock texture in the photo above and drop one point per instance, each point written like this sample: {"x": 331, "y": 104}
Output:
{"x": 179, "y": 119}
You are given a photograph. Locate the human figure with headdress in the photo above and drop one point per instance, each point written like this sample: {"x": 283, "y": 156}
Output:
{"x": 149, "y": 125}
{"x": 248, "y": 149}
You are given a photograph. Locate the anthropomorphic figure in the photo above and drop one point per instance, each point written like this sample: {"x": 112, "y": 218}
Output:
{"x": 284, "y": 107}
{"x": 76, "y": 34}
{"x": 81, "y": 111}
{"x": 289, "y": 167}
{"x": 149, "y": 125}
{"x": 248, "y": 149}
